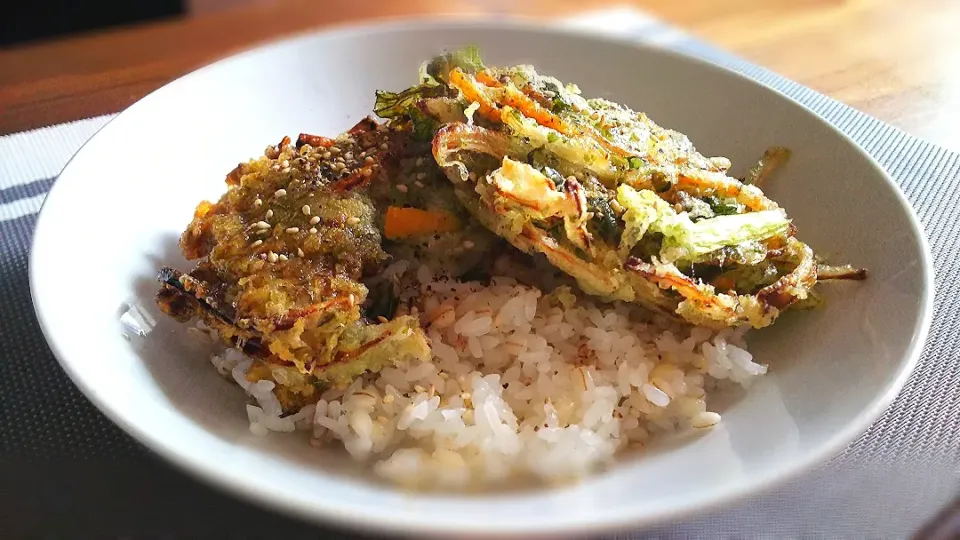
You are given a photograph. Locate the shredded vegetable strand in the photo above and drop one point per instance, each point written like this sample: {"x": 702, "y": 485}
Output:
{"x": 472, "y": 92}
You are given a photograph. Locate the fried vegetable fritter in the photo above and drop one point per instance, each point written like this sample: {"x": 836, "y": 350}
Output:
{"x": 628, "y": 208}
{"x": 422, "y": 220}
{"x": 283, "y": 254}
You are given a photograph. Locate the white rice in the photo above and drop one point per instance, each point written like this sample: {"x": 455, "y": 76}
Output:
{"x": 517, "y": 386}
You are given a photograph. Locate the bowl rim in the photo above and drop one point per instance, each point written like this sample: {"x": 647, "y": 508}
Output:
{"x": 314, "y": 510}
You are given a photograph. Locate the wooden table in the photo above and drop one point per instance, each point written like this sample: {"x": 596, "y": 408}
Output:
{"x": 897, "y": 62}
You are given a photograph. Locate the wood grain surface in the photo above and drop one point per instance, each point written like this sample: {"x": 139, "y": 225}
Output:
{"x": 896, "y": 60}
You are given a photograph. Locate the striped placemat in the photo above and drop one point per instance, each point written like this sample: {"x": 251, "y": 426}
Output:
{"x": 74, "y": 474}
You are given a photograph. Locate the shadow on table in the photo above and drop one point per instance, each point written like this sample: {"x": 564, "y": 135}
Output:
{"x": 135, "y": 498}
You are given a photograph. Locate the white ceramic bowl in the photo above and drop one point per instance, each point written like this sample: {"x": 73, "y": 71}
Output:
{"x": 115, "y": 214}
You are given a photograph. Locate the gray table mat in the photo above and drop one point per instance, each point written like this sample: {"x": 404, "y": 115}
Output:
{"x": 65, "y": 470}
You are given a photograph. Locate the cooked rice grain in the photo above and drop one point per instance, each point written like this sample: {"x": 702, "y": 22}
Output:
{"x": 519, "y": 384}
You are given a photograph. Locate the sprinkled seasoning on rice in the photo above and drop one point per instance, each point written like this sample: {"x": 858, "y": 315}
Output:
{"x": 520, "y": 384}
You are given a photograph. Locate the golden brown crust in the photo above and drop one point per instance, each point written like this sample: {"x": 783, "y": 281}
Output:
{"x": 283, "y": 254}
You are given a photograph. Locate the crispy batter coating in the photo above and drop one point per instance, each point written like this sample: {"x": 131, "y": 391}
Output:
{"x": 283, "y": 254}
{"x": 628, "y": 208}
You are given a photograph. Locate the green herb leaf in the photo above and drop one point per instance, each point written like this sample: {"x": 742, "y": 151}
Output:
{"x": 394, "y": 104}
{"x": 606, "y": 220}
{"x": 722, "y": 207}
{"x": 382, "y": 301}
{"x": 467, "y": 58}
{"x": 424, "y": 127}
{"x": 556, "y": 232}
{"x": 559, "y": 105}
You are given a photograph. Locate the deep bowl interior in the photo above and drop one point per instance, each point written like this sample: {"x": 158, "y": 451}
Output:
{"x": 120, "y": 205}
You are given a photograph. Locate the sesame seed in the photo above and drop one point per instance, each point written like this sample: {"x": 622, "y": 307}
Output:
{"x": 293, "y": 229}
{"x": 348, "y": 156}
{"x": 419, "y": 161}
{"x": 314, "y": 220}
{"x": 468, "y": 244}
{"x": 418, "y": 183}
{"x": 257, "y": 202}
{"x": 353, "y": 220}
{"x": 280, "y": 192}
{"x": 421, "y": 176}
{"x": 285, "y": 170}
{"x": 419, "y": 388}
{"x": 285, "y": 163}
{"x": 388, "y": 399}
{"x": 402, "y": 188}
{"x": 282, "y": 257}
{"x": 305, "y": 209}
{"x": 262, "y": 225}
{"x": 326, "y": 155}
{"x": 384, "y": 146}
{"x": 257, "y": 243}
{"x": 300, "y": 253}
{"x": 275, "y": 167}
{"x": 368, "y": 159}
{"x": 334, "y": 150}
{"x": 313, "y": 230}
{"x": 269, "y": 213}
{"x": 263, "y": 231}
{"x": 272, "y": 257}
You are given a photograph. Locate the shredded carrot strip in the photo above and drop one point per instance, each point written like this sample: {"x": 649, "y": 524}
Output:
{"x": 484, "y": 77}
{"x": 717, "y": 183}
{"x": 531, "y": 109}
{"x": 402, "y": 222}
{"x": 354, "y": 181}
{"x": 470, "y": 90}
